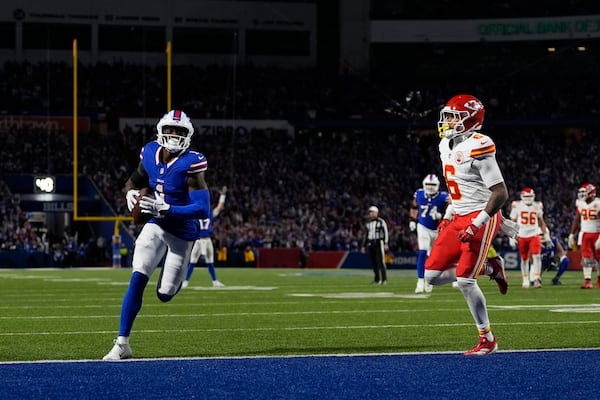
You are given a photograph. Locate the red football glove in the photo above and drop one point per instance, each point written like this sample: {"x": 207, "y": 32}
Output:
{"x": 443, "y": 224}
{"x": 467, "y": 234}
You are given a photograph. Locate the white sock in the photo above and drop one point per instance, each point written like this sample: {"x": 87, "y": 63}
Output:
{"x": 525, "y": 270}
{"x": 123, "y": 340}
{"x": 536, "y": 268}
{"x": 477, "y": 304}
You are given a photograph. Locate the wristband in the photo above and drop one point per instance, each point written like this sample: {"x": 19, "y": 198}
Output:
{"x": 481, "y": 218}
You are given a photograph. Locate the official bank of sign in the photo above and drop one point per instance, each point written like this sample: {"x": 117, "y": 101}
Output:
{"x": 554, "y": 28}
{"x": 477, "y": 30}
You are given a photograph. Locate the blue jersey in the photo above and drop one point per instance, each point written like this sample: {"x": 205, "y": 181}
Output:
{"x": 170, "y": 180}
{"x": 206, "y": 226}
{"x": 548, "y": 253}
{"x": 430, "y": 206}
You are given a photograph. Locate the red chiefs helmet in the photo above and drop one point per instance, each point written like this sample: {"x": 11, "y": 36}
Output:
{"x": 586, "y": 191}
{"x": 527, "y": 196}
{"x": 462, "y": 114}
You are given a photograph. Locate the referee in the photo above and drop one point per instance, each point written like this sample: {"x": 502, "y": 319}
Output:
{"x": 376, "y": 240}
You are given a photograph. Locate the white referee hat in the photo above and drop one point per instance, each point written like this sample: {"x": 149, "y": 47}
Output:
{"x": 373, "y": 208}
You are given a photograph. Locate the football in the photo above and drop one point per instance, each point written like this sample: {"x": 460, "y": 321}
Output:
{"x": 139, "y": 218}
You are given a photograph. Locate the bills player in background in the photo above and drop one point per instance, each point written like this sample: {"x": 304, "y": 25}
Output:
{"x": 587, "y": 224}
{"x": 478, "y": 191}
{"x": 204, "y": 250}
{"x": 176, "y": 175}
{"x": 428, "y": 208}
{"x": 529, "y": 215}
{"x": 554, "y": 257}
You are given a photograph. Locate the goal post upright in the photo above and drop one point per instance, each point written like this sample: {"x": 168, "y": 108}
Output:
{"x": 76, "y": 216}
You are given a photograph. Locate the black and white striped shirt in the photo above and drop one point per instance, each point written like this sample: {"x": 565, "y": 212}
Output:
{"x": 376, "y": 230}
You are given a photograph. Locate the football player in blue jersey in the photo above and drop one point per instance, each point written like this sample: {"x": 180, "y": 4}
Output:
{"x": 181, "y": 198}
{"x": 204, "y": 250}
{"x": 554, "y": 256}
{"x": 428, "y": 207}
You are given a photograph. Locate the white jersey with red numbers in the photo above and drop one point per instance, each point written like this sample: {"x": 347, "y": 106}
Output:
{"x": 590, "y": 215}
{"x": 469, "y": 186}
{"x": 526, "y": 216}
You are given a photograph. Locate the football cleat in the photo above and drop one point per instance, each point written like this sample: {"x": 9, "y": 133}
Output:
{"x": 428, "y": 287}
{"x": 119, "y": 352}
{"x": 483, "y": 348}
{"x": 556, "y": 281}
{"x": 537, "y": 284}
{"x": 525, "y": 284}
{"x": 185, "y": 284}
{"x": 587, "y": 284}
{"x": 217, "y": 284}
{"x": 420, "y": 287}
{"x": 498, "y": 273}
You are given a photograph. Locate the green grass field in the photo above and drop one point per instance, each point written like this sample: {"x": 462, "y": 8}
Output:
{"x": 68, "y": 314}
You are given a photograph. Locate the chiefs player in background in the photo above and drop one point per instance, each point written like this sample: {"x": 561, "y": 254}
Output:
{"x": 587, "y": 224}
{"x": 529, "y": 215}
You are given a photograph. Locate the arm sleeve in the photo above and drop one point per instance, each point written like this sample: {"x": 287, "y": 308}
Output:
{"x": 490, "y": 171}
{"x": 199, "y": 208}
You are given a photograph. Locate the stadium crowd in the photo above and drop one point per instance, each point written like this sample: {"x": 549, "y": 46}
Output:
{"x": 310, "y": 189}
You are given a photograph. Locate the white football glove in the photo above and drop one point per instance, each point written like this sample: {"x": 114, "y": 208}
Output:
{"x": 155, "y": 206}
{"x": 547, "y": 238}
{"x": 571, "y": 240}
{"x": 131, "y": 198}
{"x": 412, "y": 225}
{"x": 512, "y": 242}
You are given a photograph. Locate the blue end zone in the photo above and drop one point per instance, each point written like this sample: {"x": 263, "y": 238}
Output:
{"x": 506, "y": 375}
